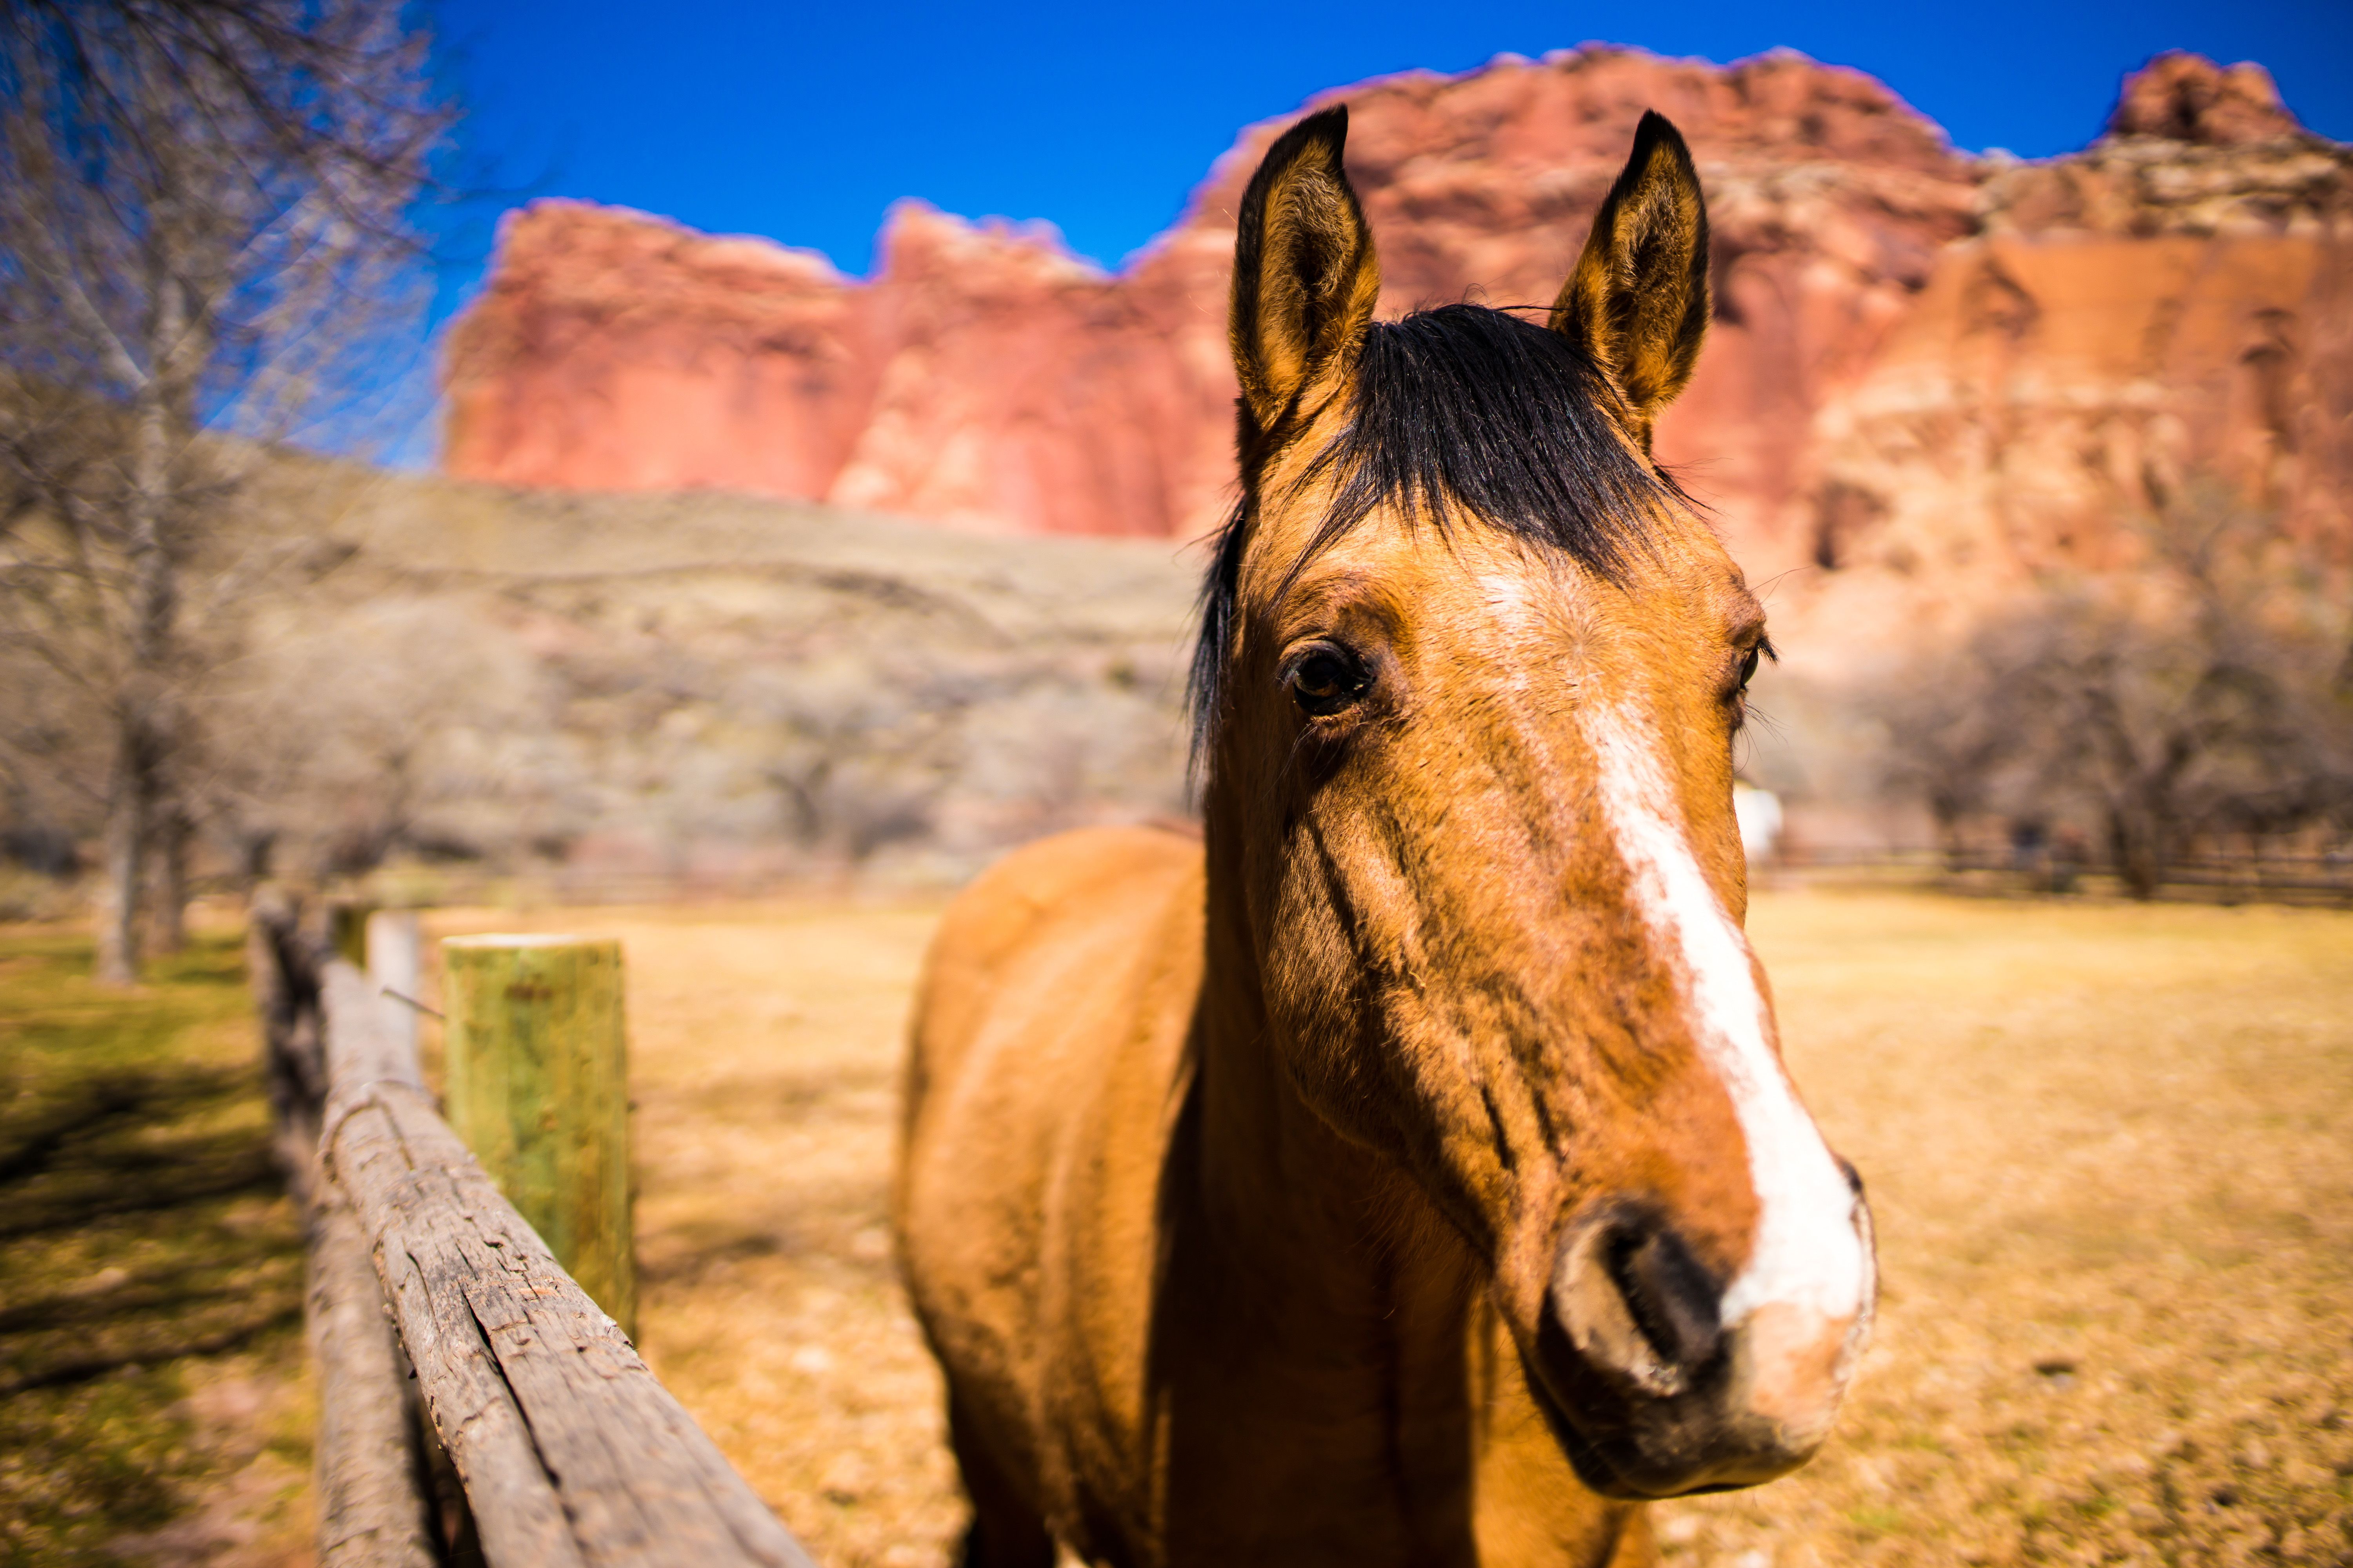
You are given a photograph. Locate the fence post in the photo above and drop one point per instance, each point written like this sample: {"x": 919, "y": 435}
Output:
{"x": 537, "y": 1085}
{"x": 394, "y": 963}
{"x": 347, "y": 922}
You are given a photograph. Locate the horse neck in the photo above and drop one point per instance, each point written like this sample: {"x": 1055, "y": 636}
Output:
{"x": 1335, "y": 1232}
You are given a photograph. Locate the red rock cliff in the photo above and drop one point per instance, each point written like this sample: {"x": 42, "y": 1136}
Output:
{"x": 1919, "y": 358}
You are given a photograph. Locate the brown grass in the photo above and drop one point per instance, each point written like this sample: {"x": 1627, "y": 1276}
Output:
{"x": 2110, "y": 1147}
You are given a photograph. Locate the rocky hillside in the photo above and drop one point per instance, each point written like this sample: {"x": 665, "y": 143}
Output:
{"x": 713, "y": 688}
{"x": 1929, "y": 373}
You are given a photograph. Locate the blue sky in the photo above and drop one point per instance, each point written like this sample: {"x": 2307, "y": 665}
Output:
{"x": 804, "y": 123}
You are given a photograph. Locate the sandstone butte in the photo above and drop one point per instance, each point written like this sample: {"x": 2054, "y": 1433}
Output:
{"x": 1929, "y": 372}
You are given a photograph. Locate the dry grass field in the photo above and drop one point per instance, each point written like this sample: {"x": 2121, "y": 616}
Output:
{"x": 2110, "y": 1147}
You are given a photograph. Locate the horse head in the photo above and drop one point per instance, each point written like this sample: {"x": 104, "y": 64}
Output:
{"x": 1471, "y": 673}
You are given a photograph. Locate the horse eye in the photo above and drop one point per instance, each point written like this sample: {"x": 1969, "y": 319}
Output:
{"x": 1749, "y": 665}
{"x": 1325, "y": 680}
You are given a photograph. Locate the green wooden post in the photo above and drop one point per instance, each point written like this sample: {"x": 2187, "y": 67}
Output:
{"x": 538, "y": 1087}
{"x": 347, "y": 929}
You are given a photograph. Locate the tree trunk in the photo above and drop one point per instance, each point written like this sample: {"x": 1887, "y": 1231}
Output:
{"x": 1948, "y": 833}
{"x": 2136, "y": 840}
{"x": 169, "y": 920}
{"x": 142, "y": 727}
{"x": 124, "y": 855}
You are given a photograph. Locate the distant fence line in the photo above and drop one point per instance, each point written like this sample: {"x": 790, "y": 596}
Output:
{"x": 475, "y": 1404}
{"x": 2301, "y": 879}
{"x": 2295, "y": 876}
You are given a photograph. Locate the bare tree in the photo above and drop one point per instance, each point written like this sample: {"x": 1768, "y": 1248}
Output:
{"x": 205, "y": 248}
{"x": 1951, "y": 733}
{"x": 2204, "y": 689}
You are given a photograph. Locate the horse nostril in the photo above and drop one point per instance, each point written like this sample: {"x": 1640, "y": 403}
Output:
{"x": 1636, "y": 1305}
{"x": 1672, "y": 1298}
{"x": 1635, "y": 1351}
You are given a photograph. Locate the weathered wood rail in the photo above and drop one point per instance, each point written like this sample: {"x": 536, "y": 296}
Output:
{"x": 569, "y": 1452}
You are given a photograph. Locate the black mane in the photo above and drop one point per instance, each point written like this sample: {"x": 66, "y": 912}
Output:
{"x": 1459, "y": 411}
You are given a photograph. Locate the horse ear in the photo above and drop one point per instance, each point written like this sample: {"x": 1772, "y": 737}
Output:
{"x": 1637, "y": 305}
{"x": 1305, "y": 278}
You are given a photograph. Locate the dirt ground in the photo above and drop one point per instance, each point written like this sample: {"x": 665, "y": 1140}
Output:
{"x": 2110, "y": 1150}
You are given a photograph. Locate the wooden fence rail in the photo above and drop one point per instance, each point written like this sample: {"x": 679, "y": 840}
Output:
{"x": 2270, "y": 878}
{"x": 568, "y": 1450}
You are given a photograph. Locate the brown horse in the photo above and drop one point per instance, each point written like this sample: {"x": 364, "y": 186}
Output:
{"x": 1404, "y": 1171}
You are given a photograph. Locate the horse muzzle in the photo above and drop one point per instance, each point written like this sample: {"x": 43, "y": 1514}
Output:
{"x": 1652, "y": 1393}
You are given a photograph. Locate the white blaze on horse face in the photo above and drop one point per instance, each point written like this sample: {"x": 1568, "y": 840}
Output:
{"x": 1807, "y": 1251}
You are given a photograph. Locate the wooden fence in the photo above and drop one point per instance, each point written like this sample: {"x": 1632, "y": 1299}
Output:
{"x": 475, "y": 1405}
{"x": 2304, "y": 878}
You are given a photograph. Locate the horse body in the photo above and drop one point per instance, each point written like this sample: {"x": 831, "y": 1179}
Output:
{"x": 1402, "y": 1172}
{"x": 1187, "y": 1328}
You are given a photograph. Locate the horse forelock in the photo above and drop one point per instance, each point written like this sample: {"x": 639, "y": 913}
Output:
{"x": 1460, "y": 414}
